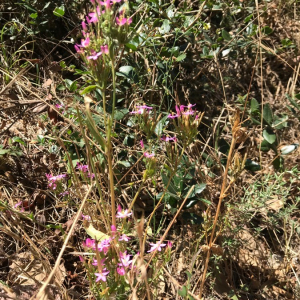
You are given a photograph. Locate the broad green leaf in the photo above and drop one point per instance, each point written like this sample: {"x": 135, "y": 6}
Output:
{"x": 59, "y": 11}
{"x": 120, "y": 113}
{"x": 267, "y": 114}
{"x": 252, "y": 165}
{"x": 4, "y": 151}
{"x": 124, "y": 163}
{"x": 226, "y": 36}
{"x": 160, "y": 126}
{"x": 17, "y": 139}
{"x": 94, "y": 233}
{"x": 280, "y": 123}
{"x": 267, "y": 30}
{"x": 165, "y": 28}
{"x": 247, "y": 19}
{"x": 254, "y": 105}
{"x": 33, "y": 15}
{"x": 183, "y": 292}
{"x": 265, "y": 146}
{"x": 181, "y": 57}
{"x": 269, "y": 135}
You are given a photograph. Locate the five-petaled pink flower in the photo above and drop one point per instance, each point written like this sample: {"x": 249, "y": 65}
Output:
{"x": 125, "y": 259}
{"x": 122, "y": 21}
{"x": 102, "y": 275}
{"x": 82, "y": 168}
{"x": 94, "y": 16}
{"x": 94, "y": 55}
{"x": 148, "y": 155}
{"x": 89, "y": 243}
{"x": 169, "y": 139}
{"x": 124, "y": 238}
{"x": 156, "y": 246}
{"x": 121, "y": 271}
{"x": 86, "y": 217}
{"x": 122, "y": 213}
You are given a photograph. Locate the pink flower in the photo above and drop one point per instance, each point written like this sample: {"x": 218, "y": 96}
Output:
{"x": 104, "y": 49}
{"x": 144, "y": 107}
{"x": 86, "y": 217}
{"x": 89, "y": 243}
{"x": 124, "y": 237}
{"x": 94, "y": 16}
{"x": 84, "y": 43}
{"x": 18, "y": 204}
{"x": 169, "y": 244}
{"x": 188, "y": 112}
{"x": 104, "y": 245}
{"x": 84, "y": 27}
{"x": 122, "y": 21}
{"x": 95, "y": 262}
{"x": 139, "y": 112}
{"x": 52, "y": 180}
{"x": 78, "y": 50}
{"x": 102, "y": 275}
{"x": 81, "y": 167}
{"x": 168, "y": 139}
{"x": 81, "y": 258}
{"x": 106, "y": 3}
{"x": 65, "y": 193}
{"x": 173, "y": 116}
{"x": 115, "y": 1}
{"x": 94, "y": 55}
{"x": 122, "y": 213}
{"x": 156, "y": 247}
{"x": 59, "y": 106}
{"x": 125, "y": 259}
{"x": 142, "y": 144}
{"x": 148, "y": 155}
{"x": 91, "y": 175}
{"x": 121, "y": 271}
{"x": 113, "y": 229}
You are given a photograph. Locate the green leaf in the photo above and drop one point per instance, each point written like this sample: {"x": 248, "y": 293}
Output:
{"x": 165, "y": 28}
{"x": 254, "y": 105}
{"x": 247, "y": 19}
{"x": 59, "y": 11}
{"x": 183, "y": 292}
{"x": 267, "y": 114}
{"x": 265, "y": 146}
{"x": 225, "y": 35}
{"x": 33, "y": 16}
{"x": 267, "y": 30}
{"x": 124, "y": 163}
{"x": 4, "y": 151}
{"x": 252, "y": 165}
{"x": 120, "y": 113}
{"x": 88, "y": 89}
{"x": 160, "y": 126}
{"x": 269, "y": 135}
{"x": 193, "y": 218}
{"x": 17, "y": 139}
{"x": 172, "y": 188}
{"x": 280, "y": 123}
{"x": 181, "y": 57}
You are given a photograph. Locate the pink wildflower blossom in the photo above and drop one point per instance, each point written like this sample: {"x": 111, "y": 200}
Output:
{"x": 169, "y": 244}
{"x": 65, "y": 193}
{"x": 89, "y": 243}
{"x": 95, "y": 262}
{"x": 170, "y": 116}
{"x": 106, "y": 3}
{"x": 156, "y": 246}
{"x": 142, "y": 144}
{"x": 121, "y": 271}
{"x": 104, "y": 49}
{"x": 81, "y": 167}
{"x": 94, "y": 16}
{"x": 122, "y": 21}
{"x": 115, "y": 1}
{"x": 169, "y": 139}
{"x": 86, "y": 217}
{"x": 148, "y": 155}
{"x": 189, "y": 112}
{"x": 84, "y": 27}
{"x": 94, "y": 55}
{"x": 122, "y": 213}
{"x": 91, "y": 175}
{"x": 102, "y": 275}
{"x": 113, "y": 230}
{"x": 144, "y": 107}
{"x": 84, "y": 43}
{"x": 124, "y": 238}
{"x": 125, "y": 259}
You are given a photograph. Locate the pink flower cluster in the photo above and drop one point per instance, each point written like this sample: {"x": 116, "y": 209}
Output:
{"x": 52, "y": 180}
{"x": 181, "y": 110}
{"x": 85, "y": 169}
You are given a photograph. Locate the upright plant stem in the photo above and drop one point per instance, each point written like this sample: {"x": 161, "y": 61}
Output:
{"x": 222, "y": 196}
